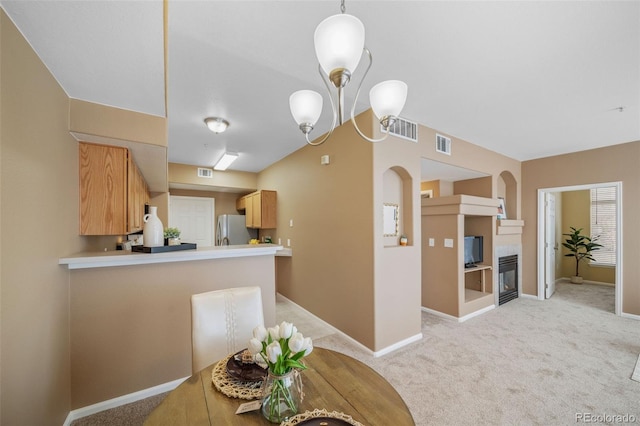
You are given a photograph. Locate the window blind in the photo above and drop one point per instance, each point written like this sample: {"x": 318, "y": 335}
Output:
{"x": 603, "y": 224}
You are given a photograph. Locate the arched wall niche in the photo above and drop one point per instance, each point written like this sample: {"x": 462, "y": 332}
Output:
{"x": 396, "y": 189}
{"x": 508, "y": 189}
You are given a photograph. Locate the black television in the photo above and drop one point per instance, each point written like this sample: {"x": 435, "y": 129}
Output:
{"x": 472, "y": 250}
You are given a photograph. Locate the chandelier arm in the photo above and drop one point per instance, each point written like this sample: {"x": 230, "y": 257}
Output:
{"x": 355, "y": 101}
{"x": 333, "y": 108}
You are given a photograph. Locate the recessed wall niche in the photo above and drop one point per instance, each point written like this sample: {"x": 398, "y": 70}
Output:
{"x": 396, "y": 190}
{"x": 508, "y": 189}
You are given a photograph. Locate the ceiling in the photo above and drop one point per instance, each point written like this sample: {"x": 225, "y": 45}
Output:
{"x": 526, "y": 79}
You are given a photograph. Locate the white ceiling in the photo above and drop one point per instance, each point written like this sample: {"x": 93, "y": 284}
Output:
{"x": 527, "y": 79}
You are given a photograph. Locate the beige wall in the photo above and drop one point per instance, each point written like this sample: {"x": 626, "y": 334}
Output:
{"x": 102, "y": 120}
{"x": 330, "y": 273}
{"x": 480, "y": 187}
{"x": 396, "y": 291}
{"x": 576, "y": 209}
{"x": 241, "y": 182}
{"x": 586, "y": 167}
{"x": 131, "y": 325}
{"x": 39, "y": 224}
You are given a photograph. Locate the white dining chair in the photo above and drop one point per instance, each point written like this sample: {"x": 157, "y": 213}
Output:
{"x": 222, "y": 323}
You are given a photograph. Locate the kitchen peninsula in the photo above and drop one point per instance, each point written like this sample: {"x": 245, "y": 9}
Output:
{"x": 130, "y": 313}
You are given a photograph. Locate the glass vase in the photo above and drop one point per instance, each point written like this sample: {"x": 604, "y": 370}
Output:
{"x": 281, "y": 396}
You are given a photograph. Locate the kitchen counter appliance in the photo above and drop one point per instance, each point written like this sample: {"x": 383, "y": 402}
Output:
{"x": 232, "y": 230}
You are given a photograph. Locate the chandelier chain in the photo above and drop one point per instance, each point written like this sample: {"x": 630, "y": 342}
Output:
{"x": 342, "y": 7}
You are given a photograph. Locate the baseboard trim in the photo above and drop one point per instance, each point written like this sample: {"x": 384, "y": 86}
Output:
{"x": 439, "y": 314}
{"x": 122, "y": 400}
{"x": 528, "y": 296}
{"x": 375, "y": 354}
{"x": 476, "y": 313}
{"x": 398, "y": 345}
{"x": 459, "y": 319}
{"x": 631, "y": 316}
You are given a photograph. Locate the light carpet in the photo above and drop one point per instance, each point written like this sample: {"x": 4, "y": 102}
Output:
{"x": 527, "y": 362}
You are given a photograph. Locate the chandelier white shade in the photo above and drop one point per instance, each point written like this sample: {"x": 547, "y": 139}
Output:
{"x": 339, "y": 41}
{"x": 388, "y": 98}
{"x": 339, "y": 45}
{"x": 306, "y": 106}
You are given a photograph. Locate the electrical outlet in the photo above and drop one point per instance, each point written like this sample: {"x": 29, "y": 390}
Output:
{"x": 288, "y": 242}
{"x": 290, "y": 223}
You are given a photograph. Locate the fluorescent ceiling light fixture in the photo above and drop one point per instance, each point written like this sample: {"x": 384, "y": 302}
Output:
{"x": 225, "y": 161}
{"x": 216, "y": 124}
{"x": 339, "y": 45}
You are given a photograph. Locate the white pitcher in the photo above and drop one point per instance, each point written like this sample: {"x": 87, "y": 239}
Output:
{"x": 153, "y": 232}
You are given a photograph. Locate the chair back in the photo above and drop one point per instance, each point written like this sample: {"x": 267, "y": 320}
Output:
{"x": 222, "y": 323}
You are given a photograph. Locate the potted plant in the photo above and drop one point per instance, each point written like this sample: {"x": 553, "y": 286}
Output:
{"x": 580, "y": 247}
{"x": 172, "y": 236}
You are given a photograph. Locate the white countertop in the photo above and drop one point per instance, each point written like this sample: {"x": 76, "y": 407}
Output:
{"x": 125, "y": 258}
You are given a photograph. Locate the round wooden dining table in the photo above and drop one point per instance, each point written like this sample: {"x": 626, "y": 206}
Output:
{"x": 332, "y": 381}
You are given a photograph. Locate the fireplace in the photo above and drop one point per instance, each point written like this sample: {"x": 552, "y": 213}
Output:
{"x": 508, "y": 278}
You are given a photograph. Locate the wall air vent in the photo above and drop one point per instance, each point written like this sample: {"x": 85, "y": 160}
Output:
{"x": 404, "y": 129}
{"x": 205, "y": 173}
{"x": 443, "y": 144}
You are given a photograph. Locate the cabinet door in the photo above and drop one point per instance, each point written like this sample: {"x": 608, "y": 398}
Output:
{"x": 257, "y": 209}
{"x": 249, "y": 211}
{"x": 136, "y": 197}
{"x": 241, "y": 203}
{"x": 103, "y": 189}
{"x": 267, "y": 209}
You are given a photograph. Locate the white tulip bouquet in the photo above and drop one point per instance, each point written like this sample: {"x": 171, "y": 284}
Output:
{"x": 282, "y": 347}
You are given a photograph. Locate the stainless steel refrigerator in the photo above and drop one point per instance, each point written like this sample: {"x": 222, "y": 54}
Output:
{"x": 232, "y": 230}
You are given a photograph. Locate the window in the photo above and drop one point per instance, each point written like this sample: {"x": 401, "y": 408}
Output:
{"x": 603, "y": 224}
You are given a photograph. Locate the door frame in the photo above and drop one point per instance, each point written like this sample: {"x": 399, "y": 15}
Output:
{"x": 550, "y": 247}
{"x": 619, "y": 235}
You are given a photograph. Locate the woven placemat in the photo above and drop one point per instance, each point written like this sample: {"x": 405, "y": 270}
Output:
{"x": 231, "y": 387}
{"x": 320, "y": 413}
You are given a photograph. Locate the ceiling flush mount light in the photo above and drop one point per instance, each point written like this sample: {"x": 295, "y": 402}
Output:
{"x": 216, "y": 124}
{"x": 225, "y": 161}
{"x": 339, "y": 44}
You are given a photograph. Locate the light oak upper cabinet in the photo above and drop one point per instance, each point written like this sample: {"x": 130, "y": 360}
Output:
{"x": 138, "y": 193}
{"x": 260, "y": 209}
{"x": 112, "y": 191}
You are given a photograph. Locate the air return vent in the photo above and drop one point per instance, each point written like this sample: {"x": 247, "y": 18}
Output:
{"x": 443, "y": 144}
{"x": 404, "y": 129}
{"x": 205, "y": 173}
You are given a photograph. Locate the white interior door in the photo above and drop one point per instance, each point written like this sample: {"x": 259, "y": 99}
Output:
{"x": 550, "y": 245}
{"x": 194, "y": 217}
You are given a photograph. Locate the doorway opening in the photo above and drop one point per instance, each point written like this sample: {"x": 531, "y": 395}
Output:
{"x": 543, "y": 214}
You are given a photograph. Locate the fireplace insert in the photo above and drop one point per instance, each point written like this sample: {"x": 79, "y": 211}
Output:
{"x": 508, "y": 278}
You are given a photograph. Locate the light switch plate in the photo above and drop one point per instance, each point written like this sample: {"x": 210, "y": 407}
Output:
{"x": 448, "y": 242}
{"x": 432, "y": 242}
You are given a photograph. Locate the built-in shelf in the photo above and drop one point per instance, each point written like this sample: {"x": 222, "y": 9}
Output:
{"x": 482, "y": 270}
{"x": 460, "y": 204}
{"x": 509, "y": 227}
{"x": 470, "y": 295}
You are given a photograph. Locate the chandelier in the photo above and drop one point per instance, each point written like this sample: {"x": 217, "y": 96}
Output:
{"x": 339, "y": 44}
